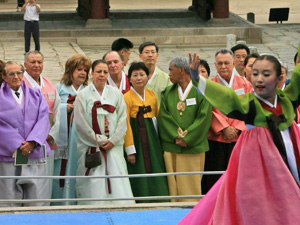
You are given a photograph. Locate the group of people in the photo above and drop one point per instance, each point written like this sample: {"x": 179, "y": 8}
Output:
{"x": 109, "y": 126}
{"x": 146, "y": 121}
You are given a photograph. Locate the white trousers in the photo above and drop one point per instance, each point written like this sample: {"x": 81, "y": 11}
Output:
{"x": 24, "y": 188}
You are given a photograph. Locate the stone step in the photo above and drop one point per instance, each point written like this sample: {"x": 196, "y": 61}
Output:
{"x": 114, "y": 14}
{"x": 44, "y": 16}
{"x": 150, "y": 13}
{"x": 164, "y": 26}
{"x": 178, "y": 41}
{"x": 46, "y": 1}
{"x": 241, "y": 32}
{"x": 42, "y": 39}
{"x": 175, "y": 41}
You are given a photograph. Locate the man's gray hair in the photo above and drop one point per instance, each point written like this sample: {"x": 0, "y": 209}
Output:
{"x": 34, "y": 53}
{"x": 224, "y": 51}
{"x": 181, "y": 62}
{"x": 12, "y": 63}
{"x": 121, "y": 56}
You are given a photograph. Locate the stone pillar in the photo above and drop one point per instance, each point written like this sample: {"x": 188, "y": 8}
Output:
{"x": 230, "y": 41}
{"x": 253, "y": 49}
{"x": 221, "y": 9}
{"x": 99, "y": 9}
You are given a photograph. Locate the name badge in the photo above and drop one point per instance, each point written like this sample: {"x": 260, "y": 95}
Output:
{"x": 191, "y": 101}
{"x": 51, "y": 95}
{"x": 240, "y": 91}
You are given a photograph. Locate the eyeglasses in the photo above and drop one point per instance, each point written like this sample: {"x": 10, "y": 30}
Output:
{"x": 148, "y": 52}
{"x": 18, "y": 73}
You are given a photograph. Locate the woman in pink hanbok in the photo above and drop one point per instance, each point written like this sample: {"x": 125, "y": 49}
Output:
{"x": 261, "y": 184}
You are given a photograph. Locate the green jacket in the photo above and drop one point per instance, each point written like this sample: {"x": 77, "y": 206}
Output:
{"x": 196, "y": 119}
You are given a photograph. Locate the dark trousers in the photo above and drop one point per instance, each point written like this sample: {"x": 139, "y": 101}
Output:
{"x": 216, "y": 159}
{"x": 34, "y": 28}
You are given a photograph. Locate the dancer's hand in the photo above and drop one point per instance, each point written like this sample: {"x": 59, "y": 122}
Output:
{"x": 194, "y": 61}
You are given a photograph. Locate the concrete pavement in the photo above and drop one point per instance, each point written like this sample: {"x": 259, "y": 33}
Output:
{"x": 277, "y": 41}
{"x": 280, "y": 40}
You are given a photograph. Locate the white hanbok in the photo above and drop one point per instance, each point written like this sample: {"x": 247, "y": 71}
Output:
{"x": 116, "y": 164}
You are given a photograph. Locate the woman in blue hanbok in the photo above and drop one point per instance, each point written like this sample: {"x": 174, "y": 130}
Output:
{"x": 73, "y": 81}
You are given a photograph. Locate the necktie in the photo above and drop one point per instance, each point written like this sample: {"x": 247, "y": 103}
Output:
{"x": 17, "y": 94}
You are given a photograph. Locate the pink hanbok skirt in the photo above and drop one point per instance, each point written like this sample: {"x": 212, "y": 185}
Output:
{"x": 257, "y": 188}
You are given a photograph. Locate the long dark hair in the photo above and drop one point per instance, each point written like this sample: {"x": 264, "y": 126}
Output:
{"x": 206, "y": 66}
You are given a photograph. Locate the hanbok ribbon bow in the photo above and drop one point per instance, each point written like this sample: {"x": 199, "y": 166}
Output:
{"x": 96, "y": 128}
{"x": 144, "y": 135}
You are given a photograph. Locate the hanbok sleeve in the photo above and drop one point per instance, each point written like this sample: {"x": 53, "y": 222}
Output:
{"x": 81, "y": 117}
{"x": 154, "y": 119}
{"x": 157, "y": 106}
{"x": 54, "y": 132}
{"x": 219, "y": 122}
{"x": 129, "y": 140}
{"x": 12, "y": 137}
{"x": 41, "y": 129}
{"x": 166, "y": 123}
{"x": 121, "y": 128}
{"x": 62, "y": 141}
{"x": 293, "y": 89}
{"x": 202, "y": 122}
{"x": 227, "y": 101}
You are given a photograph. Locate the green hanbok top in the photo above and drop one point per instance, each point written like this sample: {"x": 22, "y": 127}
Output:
{"x": 189, "y": 118}
{"x": 248, "y": 107}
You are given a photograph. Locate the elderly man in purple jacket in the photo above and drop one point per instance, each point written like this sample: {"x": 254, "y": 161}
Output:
{"x": 24, "y": 124}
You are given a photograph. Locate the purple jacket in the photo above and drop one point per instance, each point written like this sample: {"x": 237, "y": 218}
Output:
{"x": 30, "y": 123}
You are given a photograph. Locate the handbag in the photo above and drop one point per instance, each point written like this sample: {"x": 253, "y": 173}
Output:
{"x": 92, "y": 159}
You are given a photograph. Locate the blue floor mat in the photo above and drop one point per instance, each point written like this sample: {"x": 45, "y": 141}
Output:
{"x": 157, "y": 217}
